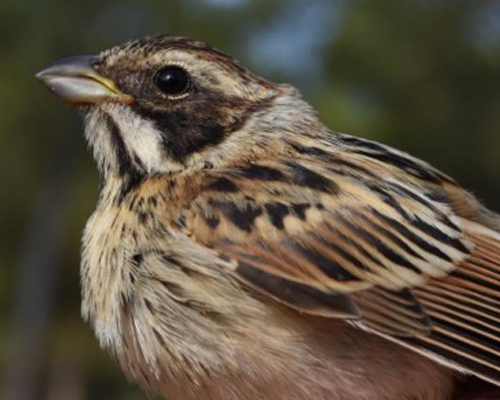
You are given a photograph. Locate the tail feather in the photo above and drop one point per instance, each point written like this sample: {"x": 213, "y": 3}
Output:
{"x": 464, "y": 310}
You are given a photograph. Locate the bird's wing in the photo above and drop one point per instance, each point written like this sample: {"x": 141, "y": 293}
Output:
{"x": 348, "y": 236}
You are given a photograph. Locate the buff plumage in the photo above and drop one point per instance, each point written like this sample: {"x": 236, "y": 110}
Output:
{"x": 241, "y": 250}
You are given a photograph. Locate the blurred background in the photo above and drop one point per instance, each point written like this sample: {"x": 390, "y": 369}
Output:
{"x": 421, "y": 75}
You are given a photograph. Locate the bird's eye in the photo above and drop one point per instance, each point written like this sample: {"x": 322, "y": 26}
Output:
{"x": 173, "y": 80}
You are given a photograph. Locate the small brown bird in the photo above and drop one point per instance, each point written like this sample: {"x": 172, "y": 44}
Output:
{"x": 240, "y": 250}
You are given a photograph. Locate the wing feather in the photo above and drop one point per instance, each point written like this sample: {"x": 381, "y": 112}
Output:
{"x": 465, "y": 309}
{"x": 380, "y": 240}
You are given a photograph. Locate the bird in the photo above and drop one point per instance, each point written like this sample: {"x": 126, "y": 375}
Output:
{"x": 240, "y": 249}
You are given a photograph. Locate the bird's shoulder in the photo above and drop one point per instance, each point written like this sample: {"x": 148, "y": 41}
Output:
{"x": 349, "y": 228}
{"x": 323, "y": 206}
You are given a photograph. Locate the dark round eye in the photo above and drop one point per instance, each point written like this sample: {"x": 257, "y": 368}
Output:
{"x": 173, "y": 80}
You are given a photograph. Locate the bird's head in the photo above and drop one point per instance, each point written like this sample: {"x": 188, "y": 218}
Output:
{"x": 166, "y": 104}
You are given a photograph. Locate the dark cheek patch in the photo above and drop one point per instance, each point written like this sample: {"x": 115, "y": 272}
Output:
{"x": 194, "y": 124}
{"x": 185, "y": 135}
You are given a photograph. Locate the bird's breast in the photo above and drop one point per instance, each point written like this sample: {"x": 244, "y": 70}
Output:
{"x": 180, "y": 325}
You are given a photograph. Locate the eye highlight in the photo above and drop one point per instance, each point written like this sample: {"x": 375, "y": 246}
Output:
{"x": 173, "y": 80}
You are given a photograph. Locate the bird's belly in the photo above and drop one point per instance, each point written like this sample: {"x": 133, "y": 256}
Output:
{"x": 332, "y": 361}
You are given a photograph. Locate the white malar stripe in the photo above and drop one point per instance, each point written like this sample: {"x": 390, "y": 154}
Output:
{"x": 142, "y": 139}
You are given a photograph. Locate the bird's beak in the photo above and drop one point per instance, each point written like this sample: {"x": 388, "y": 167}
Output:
{"x": 77, "y": 82}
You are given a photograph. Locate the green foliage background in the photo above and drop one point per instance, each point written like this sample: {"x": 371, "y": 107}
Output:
{"x": 421, "y": 75}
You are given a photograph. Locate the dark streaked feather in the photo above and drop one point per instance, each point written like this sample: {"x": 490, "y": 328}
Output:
{"x": 298, "y": 295}
{"x": 396, "y": 313}
{"x": 465, "y": 309}
{"x": 337, "y": 235}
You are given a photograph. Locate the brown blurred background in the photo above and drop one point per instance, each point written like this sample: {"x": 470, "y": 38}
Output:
{"x": 422, "y": 75}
